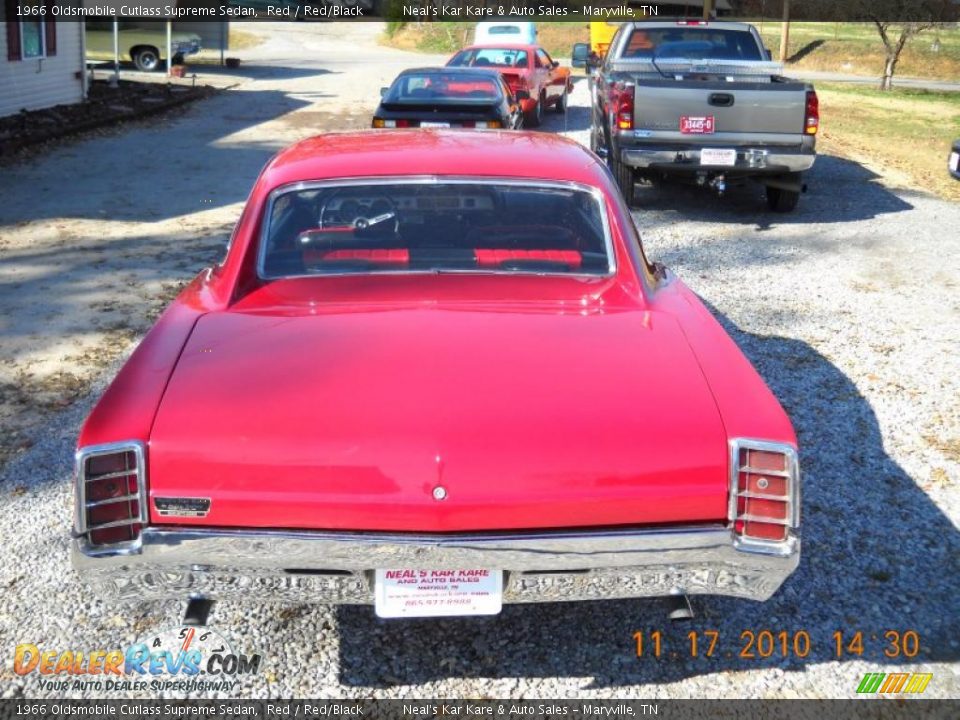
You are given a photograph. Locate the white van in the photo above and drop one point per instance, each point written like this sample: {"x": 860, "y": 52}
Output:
{"x": 523, "y": 33}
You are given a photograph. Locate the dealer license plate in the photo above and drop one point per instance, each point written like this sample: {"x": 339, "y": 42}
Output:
{"x": 718, "y": 156}
{"x": 407, "y": 592}
{"x": 428, "y": 123}
{"x": 693, "y": 125}
{"x": 955, "y": 161}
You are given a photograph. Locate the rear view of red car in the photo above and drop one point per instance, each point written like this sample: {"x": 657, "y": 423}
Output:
{"x": 526, "y": 68}
{"x": 437, "y": 382}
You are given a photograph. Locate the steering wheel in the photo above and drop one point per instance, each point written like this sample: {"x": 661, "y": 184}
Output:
{"x": 362, "y": 214}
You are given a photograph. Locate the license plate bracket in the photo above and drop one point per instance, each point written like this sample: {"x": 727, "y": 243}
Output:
{"x": 408, "y": 592}
{"x": 725, "y": 157}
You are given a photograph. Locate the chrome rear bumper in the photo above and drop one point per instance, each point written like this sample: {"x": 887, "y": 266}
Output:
{"x": 338, "y": 567}
{"x": 759, "y": 160}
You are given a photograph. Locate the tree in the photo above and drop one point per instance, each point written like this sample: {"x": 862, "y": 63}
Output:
{"x": 888, "y": 33}
{"x": 897, "y": 21}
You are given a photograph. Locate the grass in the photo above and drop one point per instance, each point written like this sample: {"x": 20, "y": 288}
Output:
{"x": 905, "y": 133}
{"x": 240, "y": 40}
{"x": 856, "y": 48}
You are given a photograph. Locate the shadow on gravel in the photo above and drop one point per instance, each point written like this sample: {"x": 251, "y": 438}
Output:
{"x": 246, "y": 70}
{"x": 166, "y": 168}
{"x": 838, "y": 191}
{"x": 878, "y": 556}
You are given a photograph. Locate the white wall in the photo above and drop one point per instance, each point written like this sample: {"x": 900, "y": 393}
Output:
{"x": 39, "y": 83}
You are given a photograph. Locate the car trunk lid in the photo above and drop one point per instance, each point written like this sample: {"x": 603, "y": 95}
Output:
{"x": 352, "y": 419}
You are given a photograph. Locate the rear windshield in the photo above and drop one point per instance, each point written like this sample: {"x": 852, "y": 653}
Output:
{"x": 453, "y": 87}
{"x": 435, "y": 227}
{"x": 692, "y": 43}
{"x": 491, "y": 57}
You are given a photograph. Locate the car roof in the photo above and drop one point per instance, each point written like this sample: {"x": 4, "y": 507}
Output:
{"x": 500, "y": 46}
{"x": 447, "y": 69}
{"x": 482, "y": 153}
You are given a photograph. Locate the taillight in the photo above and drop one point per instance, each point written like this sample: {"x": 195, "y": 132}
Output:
{"x": 381, "y": 123}
{"x": 621, "y": 102}
{"x": 812, "y": 122}
{"x": 483, "y": 124}
{"x": 692, "y": 23}
{"x": 764, "y": 492}
{"x": 111, "y": 493}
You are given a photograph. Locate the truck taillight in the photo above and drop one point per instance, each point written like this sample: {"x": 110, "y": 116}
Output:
{"x": 621, "y": 102}
{"x": 764, "y": 493}
{"x": 812, "y": 122}
{"x": 111, "y": 493}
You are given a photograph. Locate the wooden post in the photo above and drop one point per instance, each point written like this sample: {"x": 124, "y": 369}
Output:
{"x": 785, "y": 32}
{"x": 707, "y": 7}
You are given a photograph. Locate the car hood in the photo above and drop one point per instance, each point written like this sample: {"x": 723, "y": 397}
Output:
{"x": 353, "y": 419}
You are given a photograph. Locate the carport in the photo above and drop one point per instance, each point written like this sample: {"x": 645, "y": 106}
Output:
{"x": 213, "y": 33}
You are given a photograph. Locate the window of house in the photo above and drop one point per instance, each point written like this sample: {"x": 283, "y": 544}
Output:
{"x": 31, "y": 39}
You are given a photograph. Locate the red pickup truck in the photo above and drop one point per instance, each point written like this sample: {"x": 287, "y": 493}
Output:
{"x": 525, "y": 67}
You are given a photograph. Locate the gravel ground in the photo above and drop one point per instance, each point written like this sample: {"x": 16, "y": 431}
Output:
{"x": 850, "y": 310}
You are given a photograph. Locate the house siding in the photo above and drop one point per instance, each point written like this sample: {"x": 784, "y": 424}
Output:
{"x": 38, "y": 83}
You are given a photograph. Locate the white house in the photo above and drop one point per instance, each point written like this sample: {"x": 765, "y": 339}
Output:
{"x": 41, "y": 61}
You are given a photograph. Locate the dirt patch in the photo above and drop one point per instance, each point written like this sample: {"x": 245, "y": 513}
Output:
{"x": 104, "y": 106}
{"x": 905, "y": 135}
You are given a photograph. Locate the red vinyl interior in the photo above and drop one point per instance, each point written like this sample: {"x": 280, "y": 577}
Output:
{"x": 486, "y": 257}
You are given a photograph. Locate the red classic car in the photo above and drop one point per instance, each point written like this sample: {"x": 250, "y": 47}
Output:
{"x": 525, "y": 67}
{"x": 431, "y": 378}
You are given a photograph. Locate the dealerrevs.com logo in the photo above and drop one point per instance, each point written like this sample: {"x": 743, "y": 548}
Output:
{"x": 181, "y": 659}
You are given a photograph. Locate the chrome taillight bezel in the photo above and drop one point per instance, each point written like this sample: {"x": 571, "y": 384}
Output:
{"x": 791, "y": 474}
{"x": 82, "y": 530}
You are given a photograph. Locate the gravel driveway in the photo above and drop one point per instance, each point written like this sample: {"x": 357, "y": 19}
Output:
{"x": 849, "y": 308}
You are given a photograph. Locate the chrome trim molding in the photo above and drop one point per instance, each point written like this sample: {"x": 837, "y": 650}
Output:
{"x": 792, "y": 473}
{"x": 263, "y": 232}
{"x": 324, "y": 567}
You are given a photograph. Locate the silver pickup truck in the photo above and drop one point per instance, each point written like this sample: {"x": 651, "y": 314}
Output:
{"x": 701, "y": 100}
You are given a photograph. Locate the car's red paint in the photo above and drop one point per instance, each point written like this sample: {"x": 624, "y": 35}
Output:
{"x": 340, "y": 402}
{"x": 538, "y": 77}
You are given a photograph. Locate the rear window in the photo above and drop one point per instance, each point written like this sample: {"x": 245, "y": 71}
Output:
{"x": 491, "y": 57}
{"x": 453, "y": 87}
{"x": 692, "y": 43}
{"x": 494, "y": 227}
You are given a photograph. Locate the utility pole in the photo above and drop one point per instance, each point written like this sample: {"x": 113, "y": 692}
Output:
{"x": 707, "y": 7}
{"x": 785, "y": 31}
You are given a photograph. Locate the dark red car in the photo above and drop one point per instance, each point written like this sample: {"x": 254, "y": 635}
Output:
{"x": 526, "y": 68}
{"x": 435, "y": 371}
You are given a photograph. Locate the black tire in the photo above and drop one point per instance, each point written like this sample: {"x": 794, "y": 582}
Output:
{"x": 626, "y": 177}
{"x": 535, "y": 118}
{"x": 561, "y": 104}
{"x": 782, "y": 201}
{"x": 146, "y": 59}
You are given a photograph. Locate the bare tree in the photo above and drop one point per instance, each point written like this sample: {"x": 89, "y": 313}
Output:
{"x": 894, "y": 44}
{"x": 896, "y": 21}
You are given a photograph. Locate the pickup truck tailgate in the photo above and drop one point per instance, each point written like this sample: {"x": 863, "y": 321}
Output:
{"x": 747, "y": 112}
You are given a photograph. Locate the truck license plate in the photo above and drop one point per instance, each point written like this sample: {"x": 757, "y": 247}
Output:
{"x": 430, "y": 123}
{"x": 406, "y": 592}
{"x": 718, "y": 156}
{"x": 692, "y": 125}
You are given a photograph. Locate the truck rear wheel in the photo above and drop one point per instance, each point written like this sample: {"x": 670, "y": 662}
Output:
{"x": 782, "y": 201}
